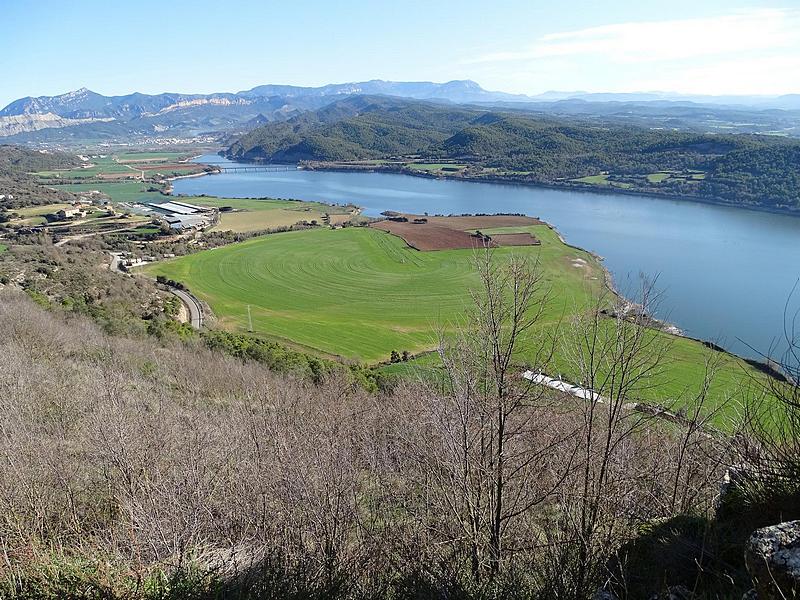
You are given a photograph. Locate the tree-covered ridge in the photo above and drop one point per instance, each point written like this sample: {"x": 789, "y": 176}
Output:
{"x": 18, "y": 159}
{"x": 17, "y": 187}
{"x": 759, "y": 171}
{"x": 357, "y": 128}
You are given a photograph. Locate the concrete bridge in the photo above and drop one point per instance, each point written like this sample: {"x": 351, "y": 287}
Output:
{"x": 238, "y": 168}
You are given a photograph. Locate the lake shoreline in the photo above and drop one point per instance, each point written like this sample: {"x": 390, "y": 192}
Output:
{"x": 566, "y": 186}
{"x": 322, "y": 166}
{"x": 696, "y": 249}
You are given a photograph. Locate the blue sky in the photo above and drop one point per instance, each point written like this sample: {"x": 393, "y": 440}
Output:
{"x": 525, "y": 46}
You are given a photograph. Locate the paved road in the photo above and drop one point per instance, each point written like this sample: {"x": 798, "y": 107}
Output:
{"x": 195, "y": 310}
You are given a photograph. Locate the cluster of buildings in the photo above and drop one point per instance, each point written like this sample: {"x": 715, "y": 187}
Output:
{"x": 90, "y": 201}
{"x": 182, "y": 216}
{"x": 71, "y": 213}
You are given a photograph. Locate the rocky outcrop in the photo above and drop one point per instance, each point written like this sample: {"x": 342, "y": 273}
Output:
{"x": 772, "y": 556}
{"x": 24, "y": 123}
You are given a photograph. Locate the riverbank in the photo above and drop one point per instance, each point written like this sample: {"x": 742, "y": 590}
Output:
{"x": 169, "y": 180}
{"x": 565, "y": 185}
{"x": 725, "y": 275}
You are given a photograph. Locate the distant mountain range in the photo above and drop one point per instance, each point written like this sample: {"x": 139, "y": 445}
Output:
{"x": 785, "y": 102}
{"x": 184, "y": 114}
{"x": 86, "y": 115}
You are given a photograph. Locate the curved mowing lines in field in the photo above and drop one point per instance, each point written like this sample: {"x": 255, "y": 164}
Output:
{"x": 351, "y": 292}
{"x": 340, "y": 279}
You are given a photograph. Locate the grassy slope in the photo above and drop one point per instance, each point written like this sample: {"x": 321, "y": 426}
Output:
{"x": 358, "y": 293}
{"x": 675, "y": 386}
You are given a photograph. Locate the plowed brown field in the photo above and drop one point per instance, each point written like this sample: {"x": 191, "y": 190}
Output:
{"x": 453, "y": 233}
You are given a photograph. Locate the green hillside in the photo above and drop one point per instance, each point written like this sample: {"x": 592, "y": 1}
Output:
{"x": 359, "y": 293}
{"x": 757, "y": 171}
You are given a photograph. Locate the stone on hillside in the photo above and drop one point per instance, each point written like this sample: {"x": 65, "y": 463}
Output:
{"x": 772, "y": 555}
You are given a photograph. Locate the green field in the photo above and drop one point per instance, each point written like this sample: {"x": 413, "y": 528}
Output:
{"x": 594, "y": 180}
{"x": 123, "y": 191}
{"x": 357, "y": 293}
{"x": 3, "y": 248}
{"x": 252, "y": 214}
{"x": 151, "y": 156}
{"x": 657, "y": 177}
{"x": 360, "y": 293}
{"x": 36, "y": 211}
{"x": 687, "y": 177}
{"x": 434, "y": 167}
{"x": 602, "y": 179}
{"x": 32, "y": 216}
{"x": 126, "y": 163}
{"x": 107, "y": 164}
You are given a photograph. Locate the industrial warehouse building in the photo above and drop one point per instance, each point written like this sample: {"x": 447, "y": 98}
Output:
{"x": 182, "y": 215}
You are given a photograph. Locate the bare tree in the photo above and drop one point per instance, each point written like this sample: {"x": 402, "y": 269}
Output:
{"x": 484, "y": 463}
{"x": 616, "y": 356}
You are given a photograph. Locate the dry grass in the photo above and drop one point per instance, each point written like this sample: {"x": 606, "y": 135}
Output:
{"x": 245, "y": 220}
{"x": 158, "y": 457}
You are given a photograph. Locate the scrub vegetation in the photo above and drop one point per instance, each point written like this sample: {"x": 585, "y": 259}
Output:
{"x": 358, "y": 419}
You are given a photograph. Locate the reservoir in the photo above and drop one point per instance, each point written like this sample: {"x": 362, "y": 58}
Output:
{"x": 725, "y": 274}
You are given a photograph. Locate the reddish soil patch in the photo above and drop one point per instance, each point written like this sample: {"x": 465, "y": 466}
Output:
{"x": 170, "y": 167}
{"x": 452, "y": 233}
{"x": 515, "y": 239}
{"x": 480, "y": 222}
{"x": 424, "y": 236}
{"x": 123, "y": 175}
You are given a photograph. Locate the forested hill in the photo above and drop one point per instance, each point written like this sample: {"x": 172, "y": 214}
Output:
{"x": 758, "y": 171}
{"x": 17, "y": 187}
{"x": 355, "y": 128}
{"x": 18, "y": 159}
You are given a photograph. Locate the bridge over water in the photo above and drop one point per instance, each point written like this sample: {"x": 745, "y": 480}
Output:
{"x": 225, "y": 167}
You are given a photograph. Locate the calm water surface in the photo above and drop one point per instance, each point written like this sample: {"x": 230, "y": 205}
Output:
{"x": 725, "y": 273}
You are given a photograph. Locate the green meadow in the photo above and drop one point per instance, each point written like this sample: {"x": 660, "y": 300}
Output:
{"x": 123, "y": 191}
{"x": 359, "y": 293}
{"x": 253, "y": 214}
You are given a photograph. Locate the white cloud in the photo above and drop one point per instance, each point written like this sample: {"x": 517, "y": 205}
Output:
{"x": 751, "y": 51}
{"x": 645, "y": 41}
{"x": 772, "y": 75}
